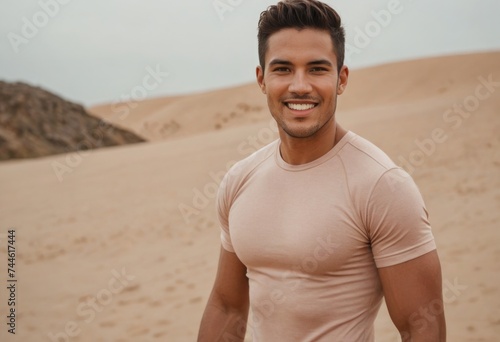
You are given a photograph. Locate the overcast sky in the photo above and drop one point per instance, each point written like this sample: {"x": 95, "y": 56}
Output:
{"x": 100, "y": 51}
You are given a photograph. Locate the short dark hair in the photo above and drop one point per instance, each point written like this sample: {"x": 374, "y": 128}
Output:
{"x": 300, "y": 14}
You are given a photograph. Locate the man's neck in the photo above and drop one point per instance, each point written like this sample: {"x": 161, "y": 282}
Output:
{"x": 298, "y": 151}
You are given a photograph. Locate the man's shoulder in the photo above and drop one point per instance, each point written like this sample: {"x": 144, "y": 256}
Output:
{"x": 365, "y": 165}
{"x": 362, "y": 156}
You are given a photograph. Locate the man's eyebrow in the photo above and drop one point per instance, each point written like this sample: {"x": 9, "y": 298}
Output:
{"x": 321, "y": 62}
{"x": 279, "y": 61}
{"x": 314, "y": 62}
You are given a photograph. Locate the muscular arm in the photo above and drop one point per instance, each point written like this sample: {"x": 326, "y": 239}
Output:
{"x": 226, "y": 313}
{"x": 413, "y": 294}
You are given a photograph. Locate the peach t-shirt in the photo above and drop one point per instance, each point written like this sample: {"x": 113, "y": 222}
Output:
{"x": 312, "y": 237}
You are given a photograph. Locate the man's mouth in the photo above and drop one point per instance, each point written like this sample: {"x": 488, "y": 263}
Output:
{"x": 301, "y": 106}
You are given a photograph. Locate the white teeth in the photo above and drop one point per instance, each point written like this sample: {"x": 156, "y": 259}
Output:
{"x": 300, "y": 106}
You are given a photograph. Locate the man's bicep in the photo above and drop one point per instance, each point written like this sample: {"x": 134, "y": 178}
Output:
{"x": 226, "y": 313}
{"x": 231, "y": 282}
{"x": 413, "y": 294}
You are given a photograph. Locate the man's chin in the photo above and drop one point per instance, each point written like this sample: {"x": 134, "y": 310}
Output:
{"x": 300, "y": 132}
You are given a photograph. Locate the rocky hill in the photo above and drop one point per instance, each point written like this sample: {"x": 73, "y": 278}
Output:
{"x": 35, "y": 123}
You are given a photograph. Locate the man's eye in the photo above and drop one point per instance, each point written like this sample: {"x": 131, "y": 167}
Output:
{"x": 282, "y": 69}
{"x": 318, "y": 69}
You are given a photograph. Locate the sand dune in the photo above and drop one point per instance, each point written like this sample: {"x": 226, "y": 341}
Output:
{"x": 183, "y": 116}
{"x": 125, "y": 246}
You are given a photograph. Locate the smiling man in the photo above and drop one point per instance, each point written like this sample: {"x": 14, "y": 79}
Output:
{"x": 320, "y": 225}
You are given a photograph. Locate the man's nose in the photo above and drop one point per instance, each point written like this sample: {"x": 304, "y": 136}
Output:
{"x": 300, "y": 84}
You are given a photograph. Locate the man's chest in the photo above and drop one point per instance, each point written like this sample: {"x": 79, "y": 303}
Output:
{"x": 297, "y": 222}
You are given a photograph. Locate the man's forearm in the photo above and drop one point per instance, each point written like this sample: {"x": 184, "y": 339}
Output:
{"x": 218, "y": 324}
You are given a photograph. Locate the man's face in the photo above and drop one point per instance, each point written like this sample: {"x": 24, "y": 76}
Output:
{"x": 301, "y": 81}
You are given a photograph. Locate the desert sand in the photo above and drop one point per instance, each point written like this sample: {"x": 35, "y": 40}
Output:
{"x": 123, "y": 245}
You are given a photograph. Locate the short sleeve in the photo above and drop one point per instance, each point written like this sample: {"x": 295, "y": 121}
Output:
{"x": 397, "y": 220}
{"x": 222, "y": 203}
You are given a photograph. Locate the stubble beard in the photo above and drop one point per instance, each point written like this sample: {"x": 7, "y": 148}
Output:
{"x": 304, "y": 133}
{"x": 308, "y": 132}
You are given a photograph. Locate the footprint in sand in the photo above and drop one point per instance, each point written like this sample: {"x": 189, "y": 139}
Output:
{"x": 156, "y": 303}
{"x": 159, "y": 334}
{"x": 163, "y": 322}
{"x": 107, "y": 324}
{"x": 471, "y": 328}
{"x": 137, "y": 331}
{"x": 195, "y": 300}
{"x": 132, "y": 288}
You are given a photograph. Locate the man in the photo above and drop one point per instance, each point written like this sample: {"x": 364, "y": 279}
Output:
{"x": 318, "y": 226}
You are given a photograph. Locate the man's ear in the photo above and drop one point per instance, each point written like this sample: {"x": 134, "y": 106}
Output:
{"x": 260, "y": 78}
{"x": 343, "y": 78}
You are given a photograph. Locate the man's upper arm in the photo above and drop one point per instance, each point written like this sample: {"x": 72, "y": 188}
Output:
{"x": 226, "y": 313}
{"x": 413, "y": 294}
{"x": 405, "y": 253}
{"x": 231, "y": 282}
{"x": 397, "y": 221}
